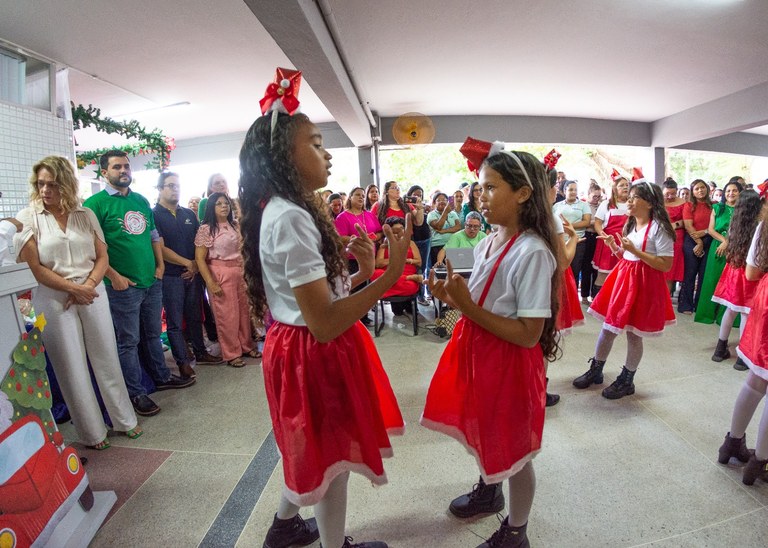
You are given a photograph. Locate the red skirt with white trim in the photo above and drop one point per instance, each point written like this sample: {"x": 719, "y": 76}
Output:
{"x": 570, "y": 314}
{"x": 734, "y": 290}
{"x": 634, "y": 298}
{"x": 753, "y": 346}
{"x": 489, "y": 395}
{"x": 332, "y": 408}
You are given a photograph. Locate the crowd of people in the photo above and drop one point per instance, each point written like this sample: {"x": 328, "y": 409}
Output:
{"x": 309, "y": 264}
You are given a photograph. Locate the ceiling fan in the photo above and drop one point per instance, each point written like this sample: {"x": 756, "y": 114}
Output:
{"x": 413, "y": 128}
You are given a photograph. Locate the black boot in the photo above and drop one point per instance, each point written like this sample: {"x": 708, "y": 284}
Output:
{"x": 733, "y": 447}
{"x": 483, "y": 499}
{"x": 291, "y": 532}
{"x": 622, "y": 386}
{"x": 552, "y": 399}
{"x": 508, "y": 537}
{"x": 740, "y": 365}
{"x": 754, "y": 469}
{"x": 593, "y": 376}
{"x": 372, "y": 544}
{"x": 721, "y": 351}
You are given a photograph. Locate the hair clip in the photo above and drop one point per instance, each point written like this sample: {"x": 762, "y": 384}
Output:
{"x": 476, "y": 151}
{"x": 550, "y": 160}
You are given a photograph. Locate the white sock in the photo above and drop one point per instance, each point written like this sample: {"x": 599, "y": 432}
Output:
{"x": 761, "y": 445}
{"x": 331, "y": 512}
{"x": 746, "y": 403}
{"x": 729, "y": 316}
{"x": 286, "y": 509}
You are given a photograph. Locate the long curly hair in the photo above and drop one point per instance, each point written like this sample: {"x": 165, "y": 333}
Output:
{"x": 536, "y": 216}
{"x": 384, "y": 203}
{"x": 746, "y": 215}
{"x": 267, "y": 170}
{"x": 761, "y": 258}
{"x": 64, "y": 174}
{"x": 652, "y": 194}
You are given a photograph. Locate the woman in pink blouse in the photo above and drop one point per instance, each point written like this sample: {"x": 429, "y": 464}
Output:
{"x": 217, "y": 252}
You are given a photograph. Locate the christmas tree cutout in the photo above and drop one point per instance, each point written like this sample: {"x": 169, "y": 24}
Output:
{"x": 26, "y": 383}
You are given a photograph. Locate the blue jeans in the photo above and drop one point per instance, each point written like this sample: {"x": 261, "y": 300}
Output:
{"x": 182, "y": 300}
{"x": 136, "y": 318}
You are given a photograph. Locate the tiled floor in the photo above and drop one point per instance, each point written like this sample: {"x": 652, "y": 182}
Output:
{"x": 635, "y": 472}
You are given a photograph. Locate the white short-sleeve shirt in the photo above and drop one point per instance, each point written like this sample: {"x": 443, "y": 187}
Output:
{"x": 290, "y": 255}
{"x": 604, "y": 213}
{"x": 752, "y": 254}
{"x": 659, "y": 242}
{"x": 574, "y": 213}
{"x": 522, "y": 286}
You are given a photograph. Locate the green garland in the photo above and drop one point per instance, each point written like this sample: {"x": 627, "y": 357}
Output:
{"x": 153, "y": 142}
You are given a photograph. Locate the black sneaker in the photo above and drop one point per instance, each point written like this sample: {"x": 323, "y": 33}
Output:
{"x": 483, "y": 499}
{"x": 144, "y": 406}
{"x": 175, "y": 382}
{"x": 508, "y": 537}
{"x": 739, "y": 365}
{"x": 372, "y": 544}
{"x": 291, "y": 532}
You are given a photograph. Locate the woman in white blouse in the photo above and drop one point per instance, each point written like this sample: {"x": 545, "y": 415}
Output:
{"x": 64, "y": 246}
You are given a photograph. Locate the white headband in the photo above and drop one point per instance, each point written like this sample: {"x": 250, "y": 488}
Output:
{"x": 498, "y": 148}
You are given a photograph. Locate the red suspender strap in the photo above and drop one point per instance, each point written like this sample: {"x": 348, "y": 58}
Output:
{"x": 495, "y": 268}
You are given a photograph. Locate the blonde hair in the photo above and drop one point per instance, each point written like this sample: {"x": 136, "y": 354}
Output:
{"x": 64, "y": 174}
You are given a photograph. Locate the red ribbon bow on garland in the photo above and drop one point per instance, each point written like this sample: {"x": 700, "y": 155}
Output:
{"x": 282, "y": 94}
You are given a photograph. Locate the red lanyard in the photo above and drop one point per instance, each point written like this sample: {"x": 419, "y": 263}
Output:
{"x": 495, "y": 268}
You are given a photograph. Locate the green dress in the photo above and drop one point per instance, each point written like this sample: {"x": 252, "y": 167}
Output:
{"x": 708, "y": 311}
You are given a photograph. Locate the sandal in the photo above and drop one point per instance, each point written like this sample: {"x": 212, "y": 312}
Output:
{"x": 101, "y": 446}
{"x": 134, "y": 433}
{"x": 237, "y": 362}
{"x": 252, "y": 354}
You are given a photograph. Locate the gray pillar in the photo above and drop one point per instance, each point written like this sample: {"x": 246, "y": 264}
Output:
{"x": 365, "y": 166}
{"x": 659, "y": 171}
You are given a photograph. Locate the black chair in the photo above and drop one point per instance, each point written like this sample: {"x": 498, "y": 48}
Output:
{"x": 378, "y": 310}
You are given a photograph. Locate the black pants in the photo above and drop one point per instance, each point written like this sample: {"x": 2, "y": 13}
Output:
{"x": 694, "y": 274}
{"x": 586, "y": 270}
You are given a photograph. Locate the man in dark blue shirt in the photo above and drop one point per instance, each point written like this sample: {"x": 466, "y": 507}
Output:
{"x": 182, "y": 286}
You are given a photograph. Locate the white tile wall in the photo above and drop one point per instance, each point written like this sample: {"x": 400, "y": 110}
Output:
{"x": 26, "y": 136}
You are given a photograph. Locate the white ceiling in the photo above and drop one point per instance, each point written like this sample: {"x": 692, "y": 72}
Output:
{"x": 634, "y": 60}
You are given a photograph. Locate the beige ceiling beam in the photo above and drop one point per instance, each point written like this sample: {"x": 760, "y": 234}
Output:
{"x": 299, "y": 29}
{"x": 738, "y": 111}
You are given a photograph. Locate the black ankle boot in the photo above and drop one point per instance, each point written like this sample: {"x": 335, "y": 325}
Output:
{"x": 754, "y": 469}
{"x": 508, "y": 537}
{"x": 739, "y": 365}
{"x": 593, "y": 376}
{"x": 552, "y": 399}
{"x": 622, "y": 386}
{"x": 483, "y": 499}
{"x": 721, "y": 351}
{"x": 291, "y": 532}
{"x": 733, "y": 447}
{"x": 373, "y": 544}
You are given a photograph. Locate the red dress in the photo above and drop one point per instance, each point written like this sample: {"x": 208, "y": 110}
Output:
{"x": 570, "y": 314}
{"x": 489, "y": 395}
{"x": 734, "y": 290}
{"x": 678, "y": 261}
{"x": 753, "y": 348}
{"x": 402, "y": 287}
{"x": 604, "y": 260}
{"x": 331, "y": 405}
{"x": 634, "y": 298}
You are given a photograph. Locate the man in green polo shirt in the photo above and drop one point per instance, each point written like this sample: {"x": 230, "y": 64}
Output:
{"x": 469, "y": 237}
{"x": 133, "y": 281}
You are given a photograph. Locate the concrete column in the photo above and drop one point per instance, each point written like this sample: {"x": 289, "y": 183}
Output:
{"x": 365, "y": 165}
{"x": 659, "y": 172}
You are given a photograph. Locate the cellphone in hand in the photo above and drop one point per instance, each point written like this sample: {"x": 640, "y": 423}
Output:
{"x": 410, "y": 199}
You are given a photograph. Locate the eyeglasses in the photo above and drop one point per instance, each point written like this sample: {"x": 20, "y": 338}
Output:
{"x": 172, "y": 186}
{"x": 473, "y": 227}
{"x": 53, "y": 185}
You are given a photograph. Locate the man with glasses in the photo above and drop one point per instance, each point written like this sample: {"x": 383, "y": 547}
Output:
{"x": 133, "y": 281}
{"x": 469, "y": 237}
{"x": 182, "y": 285}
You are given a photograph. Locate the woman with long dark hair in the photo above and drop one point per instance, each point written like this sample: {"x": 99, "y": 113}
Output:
{"x": 696, "y": 215}
{"x": 473, "y": 204}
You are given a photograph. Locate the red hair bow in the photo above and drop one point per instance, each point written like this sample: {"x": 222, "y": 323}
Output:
{"x": 282, "y": 94}
{"x": 550, "y": 160}
{"x": 763, "y": 188}
{"x": 475, "y": 151}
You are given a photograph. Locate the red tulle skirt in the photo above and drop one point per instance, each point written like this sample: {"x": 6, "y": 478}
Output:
{"x": 677, "y": 272}
{"x": 734, "y": 290}
{"x": 489, "y": 395}
{"x": 753, "y": 346}
{"x": 634, "y": 298}
{"x": 331, "y": 405}
{"x": 570, "y": 314}
{"x": 604, "y": 260}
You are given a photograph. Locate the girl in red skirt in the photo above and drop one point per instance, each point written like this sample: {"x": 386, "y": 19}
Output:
{"x": 330, "y": 400}
{"x": 609, "y": 221}
{"x": 634, "y": 297}
{"x": 733, "y": 290}
{"x": 753, "y": 349}
{"x": 488, "y": 390}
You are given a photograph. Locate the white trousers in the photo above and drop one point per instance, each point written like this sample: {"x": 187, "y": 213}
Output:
{"x": 68, "y": 336}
